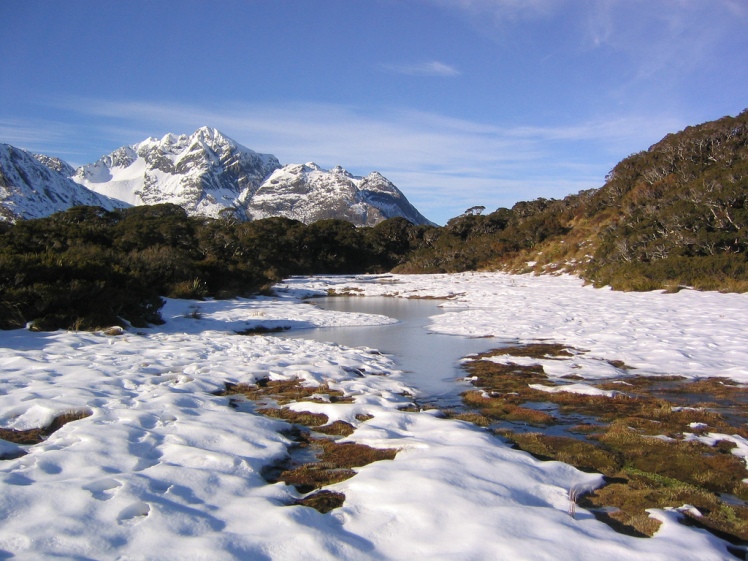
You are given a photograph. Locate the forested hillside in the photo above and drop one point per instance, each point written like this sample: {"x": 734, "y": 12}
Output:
{"x": 674, "y": 215}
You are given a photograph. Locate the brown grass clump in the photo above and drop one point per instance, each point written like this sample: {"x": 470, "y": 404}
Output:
{"x": 690, "y": 462}
{"x": 311, "y": 476}
{"x": 504, "y": 378}
{"x": 300, "y": 417}
{"x": 350, "y": 454}
{"x": 333, "y": 463}
{"x": 475, "y": 418}
{"x": 323, "y": 501}
{"x": 284, "y": 391}
{"x": 336, "y": 428}
{"x": 584, "y": 455}
{"x": 30, "y": 436}
{"x": 636, "y": 491}
{"x": 500, "y": 408}
{"x": 533, "y": 350}
{"x": 35, "y": 436}
{"x": 262, "y": 330}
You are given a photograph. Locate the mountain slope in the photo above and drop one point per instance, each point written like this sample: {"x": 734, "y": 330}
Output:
{"x": 309, "y": 193}
{"x": 204, "y": 173}
{"x": 673, "y": 215}
{"x": 35, "y": 185}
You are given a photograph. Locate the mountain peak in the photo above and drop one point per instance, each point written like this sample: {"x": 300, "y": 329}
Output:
{"x": 203, "y": 172}
{"x": 309, "y": 193}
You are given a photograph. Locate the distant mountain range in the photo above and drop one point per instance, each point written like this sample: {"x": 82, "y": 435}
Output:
{"x": 206, "y": 173}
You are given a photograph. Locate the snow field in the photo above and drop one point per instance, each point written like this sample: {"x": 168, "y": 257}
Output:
{"x": 164, "y": 469}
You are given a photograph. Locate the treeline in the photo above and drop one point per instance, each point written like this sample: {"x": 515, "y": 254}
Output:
{"x": 87, "y": 268}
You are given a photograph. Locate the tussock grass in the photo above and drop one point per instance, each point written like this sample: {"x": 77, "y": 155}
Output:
{"x": 336, "y": 428}
{"x": 331, "y": 462}
{"x": 323, "y": 501}
{"x": 284, "y": 391}
{"x": 334, "y": 462}
{"x": 584, "y": 455}
{"x": 35, "y": 436}
{"x": 636, "y": 440}
{"x": 300, "y": 417}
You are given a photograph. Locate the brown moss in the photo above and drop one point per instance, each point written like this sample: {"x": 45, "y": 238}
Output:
{"x": 323, "y": 501}
{"x": 35, "y": 436}
{"x": 337, "y": 428}
{"x": 635, "y": 438}
{"x": 301, "y": 417}
{"x": 284, "y": 391}
{"x": 333, "y": 463}
{"x": 584, "y": 455}
{"x": 308, "y": 477}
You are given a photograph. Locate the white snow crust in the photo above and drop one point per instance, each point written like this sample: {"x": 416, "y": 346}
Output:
{"x": 163, "y": 469}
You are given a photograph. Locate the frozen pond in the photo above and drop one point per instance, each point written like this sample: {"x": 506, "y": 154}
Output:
{"x": 430, "y": 360}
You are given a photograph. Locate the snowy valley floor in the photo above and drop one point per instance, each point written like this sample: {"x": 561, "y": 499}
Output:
{"x": 162, "y": 468}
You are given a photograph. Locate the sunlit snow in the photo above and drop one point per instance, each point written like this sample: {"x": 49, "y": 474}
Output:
{"x": 164, "y": 469}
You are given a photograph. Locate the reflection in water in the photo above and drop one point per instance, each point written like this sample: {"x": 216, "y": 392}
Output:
{"x": 430, "y": 360}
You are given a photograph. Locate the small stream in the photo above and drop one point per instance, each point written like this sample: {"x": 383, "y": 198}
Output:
{"x": 430, "y": 360}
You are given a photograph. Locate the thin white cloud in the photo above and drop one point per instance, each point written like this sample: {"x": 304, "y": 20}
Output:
{"x": 500, "y": 10}
{"x": 660, "y": 38}
{"x": 431, "y": 68}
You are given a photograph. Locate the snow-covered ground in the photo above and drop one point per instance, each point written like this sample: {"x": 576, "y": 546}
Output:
{"x": 163, "y": 469}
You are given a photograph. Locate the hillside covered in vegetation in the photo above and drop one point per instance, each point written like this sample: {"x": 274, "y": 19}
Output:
{"x": 672, "y": 216}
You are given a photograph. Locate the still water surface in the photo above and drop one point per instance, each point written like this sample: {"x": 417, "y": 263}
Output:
{"x": 430, "y": 360}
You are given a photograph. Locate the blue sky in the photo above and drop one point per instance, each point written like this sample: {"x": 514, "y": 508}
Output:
{"x": 458, "y": 102}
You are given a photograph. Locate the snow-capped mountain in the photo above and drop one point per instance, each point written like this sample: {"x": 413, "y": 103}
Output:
{"x": 207, "y": 174}
{"x": 204, "y": 173}
{"x": 35, "y": 185}
{"x": 309, "y": 193}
